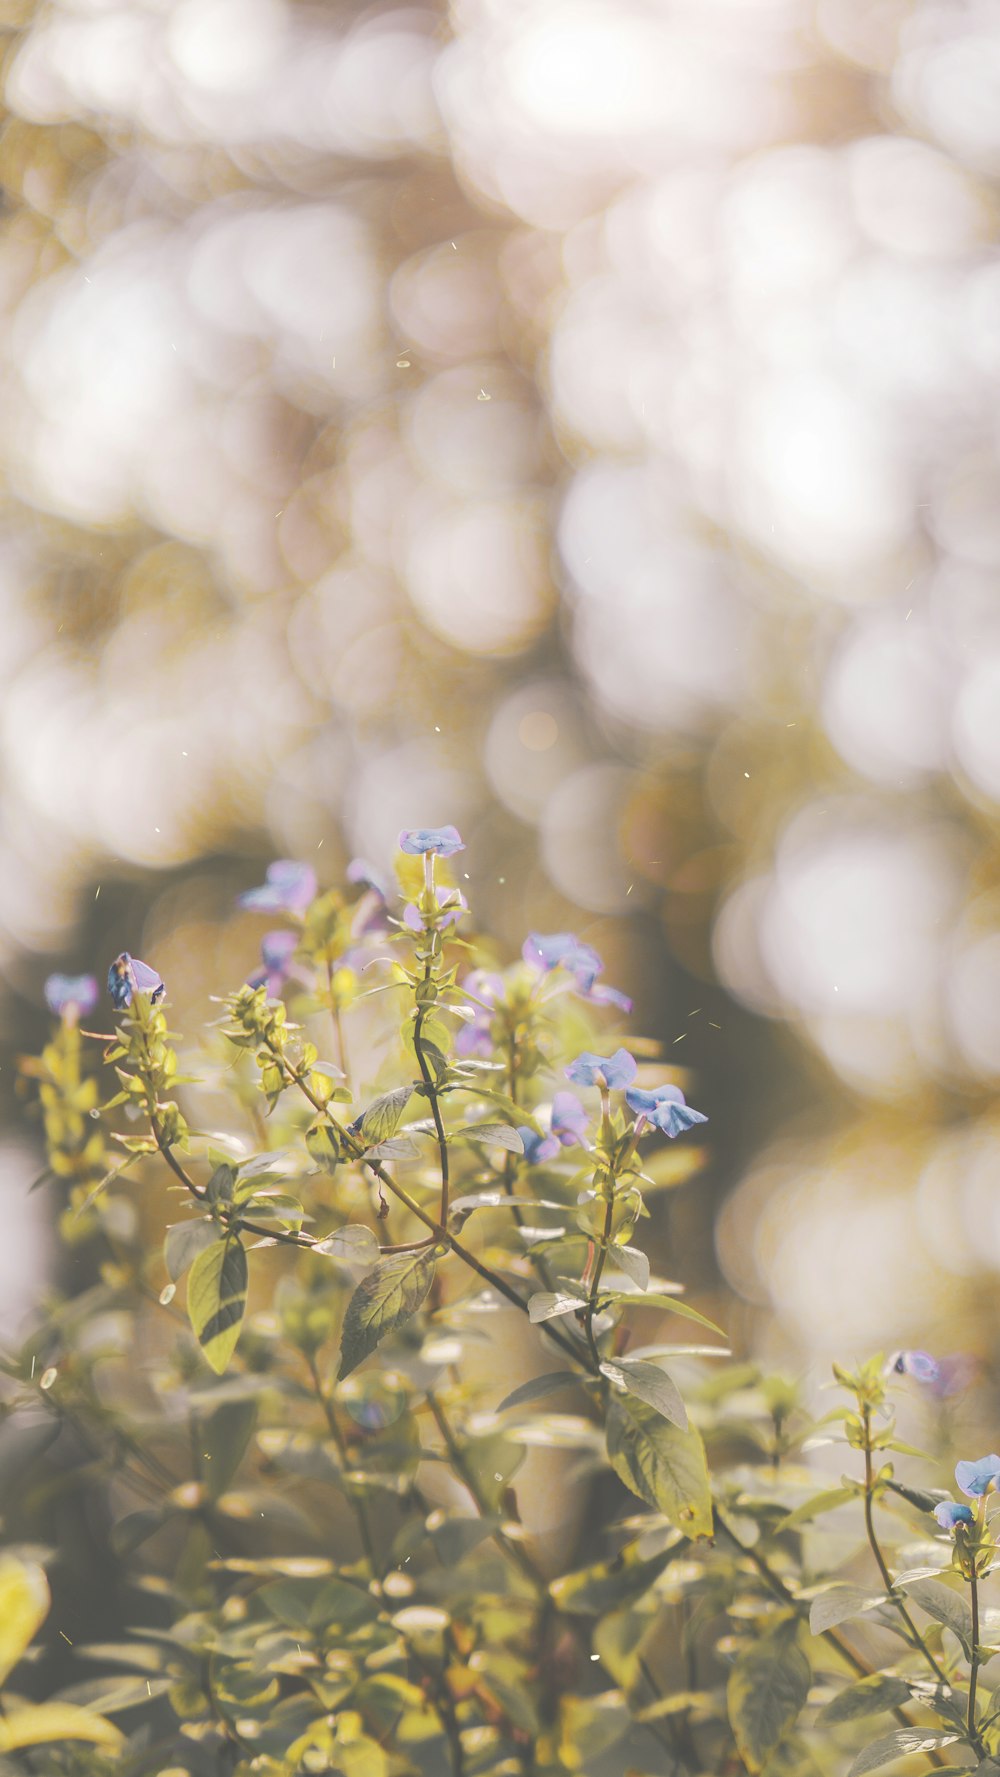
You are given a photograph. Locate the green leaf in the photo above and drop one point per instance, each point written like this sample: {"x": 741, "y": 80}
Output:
{"x": 868, "y": 1697}
{"x": 661, "y": 1463}
{"x": 217, "y": 1299}
{"x": 946, "y": 1606}
{"x": 650, "y": 1384}
{"x": 537, "y": 1388}
{"x": 383, "y": 1300}
{"x": 24, "y": 1605}
{"x": 221, "y": 1184}
{"x": 658, "y": 1299}
{"x": 383, "y": 1118}
{"x": 40, "y": 1723}
{"x": 183, "y": 1242}
{"x": 766, "y": 1690}
{"x": 815, "y": 1507}
{"x": 351, "y": 1246}
{"x": 840, "y": 1603}
{"x": 222, "y": 1440}
{"x": 633, "y": 1262}
{"x": 897, "y": 1745}
{"x": 609, "y": 1585}
{"x": 324, "y": 1146}
{"x": 547, "y": 1304}
{"x": 497, "y": 1135}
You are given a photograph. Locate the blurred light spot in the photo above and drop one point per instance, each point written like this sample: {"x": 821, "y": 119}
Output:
{"x": 472, "y": 446}
{"x": 821, "y": 483}
{"x": 886, "y": 702}
{"x": 913, "y": 199}
{"x": 973, "y": 991}
{"x": 478, "y": 572}
{"x": 405, "y": 786}
{"x": 523, "y": 773}
{"x": 538, "y": 731}
{"x": 977, "y": 725}
{"x": 226, "y": 45}
{"x": 580, "y": 826}
{"x": 447, "y": 302}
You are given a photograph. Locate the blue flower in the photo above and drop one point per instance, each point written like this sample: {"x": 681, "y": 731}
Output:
{"x": 603, "y": 1070}
{"x": 665, "y": 1108}
{"x": 277, "y": 950}
{"x": 71, "y": 996}
{"x": 948, "y": 1514}
{"x": 977, "y": 1478}
{"x": 918, "y": 1364}
{"x": 127, "y": 976}
{"x": 289, "y": 888}
{"x": 474, "y": 1037}
{"x": 445, "y": 841}
{"x": 569, "y": 1120}
{"x": 359, "y": 870}
{"x": 564, "y": 950}
{"x": 537, "y": 1147}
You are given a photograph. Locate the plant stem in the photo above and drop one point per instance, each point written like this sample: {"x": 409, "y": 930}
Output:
{"x": 974, "y": 1668}
{"x": 915, "y": 1636}
{"x": 357, "y": 1503}
{"x": 596, "y": 1279}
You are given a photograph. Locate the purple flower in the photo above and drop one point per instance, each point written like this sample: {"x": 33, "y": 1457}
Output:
{"x": 665, "y": 1108}
{"x": 451, "y": 905}
{"x": 948, "y": 1514}
{"x": 127, "y": 976}
{"x": 569, "y": 1120}
{"x": 71, "y": 996}
{"x": 977, "y": 1478}
{"x": 918, "y": 1364}
{"x": 537, "y": 1147}
{"x": 277, "y": 950}
{"x": 603, "y": 1070}
{"x": 445, "y": 841}
{"x": 474, "y": 1037}
{"x": 564, "y": 950}
{"x": 289, "y": 889}
{"x": 359, "y": 870}
{"x": 568, "y": 1125}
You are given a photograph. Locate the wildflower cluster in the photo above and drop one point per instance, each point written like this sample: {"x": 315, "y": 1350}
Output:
{"x": 389, "y": 1261}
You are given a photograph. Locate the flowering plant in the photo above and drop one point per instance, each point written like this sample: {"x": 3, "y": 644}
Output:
{"x": 308, "y": 1486}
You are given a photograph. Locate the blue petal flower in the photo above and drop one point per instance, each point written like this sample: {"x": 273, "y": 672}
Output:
{"x": 71, "y": 996}
{"x": 569, "y": 1120}
{"x": 537, "y": 1147}
{"x": 665, "y": 1108}
{"x": 474, "y": 1036}
{"x": 976, "y": 1478}
{"x": 127, "y": 976}
{"x": 277, "y": 950}
{"x": 948, "y": 1514}
{"x": 918, "y": 1364}
{"x": 603, "y": 1070}
{"x": 564, "y": 950}
{"x": 443, "y": 840}
{"x": 289, "y": 888}
{"x": 359, "y": 870}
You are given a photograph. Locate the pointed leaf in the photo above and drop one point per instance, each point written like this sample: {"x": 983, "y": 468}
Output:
{"x": 382, "y": 1119}
{"x": 610, "y": 1584}
{"x": 633, "y": 1262}
{"x": 383, "y": 1300}
{"x": 24, "y": 1605}
{"x": 840, "y": 1603}
{"x": 37, "y": 1724}
{"x": 766, "y": 1690}
{"x": 546, "y": 1304}
{"x": 657, "y": 1299}
{"x": 353, "y": 1246}
{"x": 650, "y": 1384}
{"x": 183, "y": 1242}
{"x": 222, "y": 1440}
{"x": 497, "y": 1135}
{"x": 946, "y": 1606}
{"x": 662, "y": 1464}
{"x": 537, "y": 1388}
{"x": 217, "y": 1299}
{"x": 867, "y": 1697}
{"x": 897, "y": 1745}
{"x": 815, "y": 1507}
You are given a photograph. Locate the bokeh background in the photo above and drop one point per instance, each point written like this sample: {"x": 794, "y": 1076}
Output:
{"x": 573, "y": 419}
